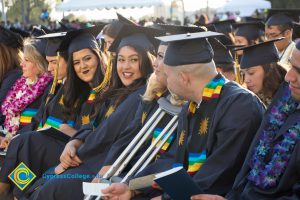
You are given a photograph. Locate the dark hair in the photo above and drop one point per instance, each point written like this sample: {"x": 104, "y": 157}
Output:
{"x": 273, "y": 77}
{"x": 228, "y": 67}
{"x": 117, "y": 90}
{"x": 77, "y": 91}
{"x": 283, "y": 27}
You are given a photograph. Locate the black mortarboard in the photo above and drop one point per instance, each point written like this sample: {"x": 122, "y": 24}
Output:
{"x": 140, "y": 36}
{"x": 298, "y": 45}
{"x": 37, "y": 31}
{"x": 46, "y": 29}
{"x": 40, "y": 45}
{"x": 123, "y": 19}
{"x": 80, "y": 39}
{"x": 296, "y": 31}
{"x": 252, "y": 19}
{"x": 259, "y": 54}
{"x": 282, "y": 17}
{"x": 222, "y": 55}
{"x": 19, "y": 31}
{"x": 53, "y": 42}
{"x": 191, "y": 48}
{"x": 176, "y": 29}
{"x": 223, "y": 39}
{"x": 249, "y": 30}
{"x": 10, "y": 38}
{"x": 223, "y": 26}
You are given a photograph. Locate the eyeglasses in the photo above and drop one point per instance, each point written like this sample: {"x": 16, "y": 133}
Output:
{"x": 274, "y": 36}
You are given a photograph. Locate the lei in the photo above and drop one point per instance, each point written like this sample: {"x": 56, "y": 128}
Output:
{"x": 22, "y": 93}
{"x": 266, "y": 175}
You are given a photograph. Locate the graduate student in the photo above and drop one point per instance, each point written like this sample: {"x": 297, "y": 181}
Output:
{"x": 25, "y": 96}
{"x": 118, "y": 106}
{"x": 280, "y": 23}
{"x": 271, "y": 168}
{"x": 262, "y": 73}
{"x": 10, "y": 59}
{"x": 67, "y": 111}
{"x": 215, "y": 128}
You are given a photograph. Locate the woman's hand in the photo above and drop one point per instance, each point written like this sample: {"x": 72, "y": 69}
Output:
{"x": 68, "y": 157}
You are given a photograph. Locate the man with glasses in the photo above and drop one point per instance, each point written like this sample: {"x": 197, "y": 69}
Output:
{"x": 280, "y": 23}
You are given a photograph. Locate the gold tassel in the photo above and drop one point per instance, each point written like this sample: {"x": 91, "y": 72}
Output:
{"x": 237, "y": 69}
{"x": 107, "y": 76}
{"x": 54, "y": 83}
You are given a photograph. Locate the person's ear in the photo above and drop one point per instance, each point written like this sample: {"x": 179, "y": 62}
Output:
{"x": 185, "y": 78}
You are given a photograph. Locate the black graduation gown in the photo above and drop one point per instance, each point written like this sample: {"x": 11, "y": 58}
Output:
{"x": 288, "y": 187}
{"x": 92, "y": 152}
{"x": 39, "y": 151}
{"x": 233, "y": 125}
{"x": 8, "y": 81}
{"x": 130, "y": 132}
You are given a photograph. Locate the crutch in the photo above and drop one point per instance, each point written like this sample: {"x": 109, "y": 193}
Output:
{"x": 146, "y": 130}
{"x": 117, "y": 167}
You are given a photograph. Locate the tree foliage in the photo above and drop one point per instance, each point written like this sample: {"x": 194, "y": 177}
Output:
{"x": 285, "y": 3}
{"x": 27, "y": 11}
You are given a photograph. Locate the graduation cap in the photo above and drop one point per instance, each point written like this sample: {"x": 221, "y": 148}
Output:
{"x": 296, "y": 31}
{"x": 259, "y": 54}
{"x": 282, "y": 17}
{"x": 19, "y": 31}
{"x": 222, "y": 54}
{"x": 223, "y": 26}
{"x": 80, "y": 39}
{"x": 191, "y": 48}
{"x": 124, "y": 20}
{"x": 249, "y": 30}
{"x": 37, "y": 31}
{"x": 54, "y": 41}
{"x": 252, "y": 19}
{"x": 10, "y": 38}
{"x": 140, "y": 36}
{"x": 176, "y": 29}
{"x": 298, "y": 45}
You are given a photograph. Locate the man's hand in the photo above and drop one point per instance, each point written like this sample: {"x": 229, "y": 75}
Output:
{"x": 207, "y": 197}
{"x": 68, "y": 157}
{"x": 117, "y": 191}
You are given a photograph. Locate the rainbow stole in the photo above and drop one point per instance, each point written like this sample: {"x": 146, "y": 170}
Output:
{"x": 91, "y": 97}
{"x": 211, "y": 91}
{"x": 26, "y": 116}
{"x": 156, "y": 132}
{"x": 196, "y": 160}
{"x": 55, "y": 122}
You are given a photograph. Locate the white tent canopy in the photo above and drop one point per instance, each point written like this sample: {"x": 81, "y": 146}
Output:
{"x": 73, "y": 5}
{"x": 245, "y": 7}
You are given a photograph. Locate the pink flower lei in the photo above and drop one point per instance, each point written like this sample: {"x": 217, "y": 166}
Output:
{"x": 18, "y": 98}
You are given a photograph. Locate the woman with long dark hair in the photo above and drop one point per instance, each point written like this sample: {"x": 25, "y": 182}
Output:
{"x": 86, "y": 152}
{"x": 69, "y": 110}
